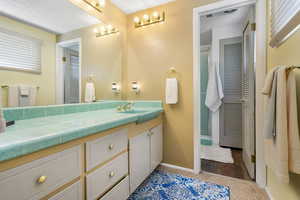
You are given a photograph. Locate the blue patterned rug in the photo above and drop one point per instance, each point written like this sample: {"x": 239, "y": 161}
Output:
{"x": 162, "y": 185}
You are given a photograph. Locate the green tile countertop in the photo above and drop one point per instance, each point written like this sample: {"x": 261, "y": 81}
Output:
{"x": 36, "y": 133}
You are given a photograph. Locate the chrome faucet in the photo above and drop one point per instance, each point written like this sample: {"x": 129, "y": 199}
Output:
{"x": 125, "y": 107}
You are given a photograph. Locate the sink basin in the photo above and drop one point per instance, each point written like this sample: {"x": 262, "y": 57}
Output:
{"x": 134, "y": 111}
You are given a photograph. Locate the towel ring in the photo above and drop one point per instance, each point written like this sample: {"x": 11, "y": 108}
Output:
{"x": 172, "y": 70}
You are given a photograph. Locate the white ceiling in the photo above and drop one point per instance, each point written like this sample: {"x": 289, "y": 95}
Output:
{"x": 132, "y": 6}
{"x": 58, "y": 16}
{"x": 221, "y": 19}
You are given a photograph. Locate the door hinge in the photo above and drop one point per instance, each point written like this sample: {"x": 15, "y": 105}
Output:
{"x": 253, "y": 27}
{"x": 64, "y": 59}
{"x": 253, "y": 158}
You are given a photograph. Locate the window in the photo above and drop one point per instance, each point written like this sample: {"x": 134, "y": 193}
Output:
{"x": 285, "y": 19}
{"x": 19, "y": 52}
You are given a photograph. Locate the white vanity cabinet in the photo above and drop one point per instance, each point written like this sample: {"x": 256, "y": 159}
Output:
{"x": 145, "y": 154}
{"x": 73, "y": 192}
{"x": 37, "y": 179}
{"x": 156, "y": 147}
{"x": 108, "y": 165}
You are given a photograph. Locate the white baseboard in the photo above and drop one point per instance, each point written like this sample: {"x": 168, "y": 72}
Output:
{"x": 269, "y": 193}
{"x": 177, "y": 167}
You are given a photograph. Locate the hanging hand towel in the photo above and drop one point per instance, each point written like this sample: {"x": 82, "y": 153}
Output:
{"x": 270, "y": 89}
{"x": 1, "y": 98}
{"x": 27, "y": 95}
{"x": 90, "y": 92}
{"x": 32, "y": 96}
{"x": 24, "y": 90}
{"x": 2, "y": 121}
{"x": 171, "y": 91}
{"x": 214, "y": 93}
{"x": 13, "y": 96}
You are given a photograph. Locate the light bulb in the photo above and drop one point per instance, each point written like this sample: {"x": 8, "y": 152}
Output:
{"x": 146, "y": 17}
{"x": 155, "y": 15}
{"x": 103, "y": 29}
{"x": 96, "y": 30}
{"x": 136, "y": 20}
{"x": 102, "y": 3}
{"x": 109, "y": 28}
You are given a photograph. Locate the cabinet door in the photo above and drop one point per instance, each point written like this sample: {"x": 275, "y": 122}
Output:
{"x": 156, "y": 146}
{"x": 139, "y": 159}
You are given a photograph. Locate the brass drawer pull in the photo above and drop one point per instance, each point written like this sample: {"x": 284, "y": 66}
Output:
{"x": 41, "y": 179}
{"x": 111, "y": 174}
{"x": 110, "y": 147}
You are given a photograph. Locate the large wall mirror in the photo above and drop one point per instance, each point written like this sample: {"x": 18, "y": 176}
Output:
{"x": 52, "y": 52}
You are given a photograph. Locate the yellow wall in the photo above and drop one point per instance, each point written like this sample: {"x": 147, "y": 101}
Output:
{"x": 151, "y": 52}
{"x": 45, "y": 80}
{"x": 102, "y": 56}
{"x": 286, "y": 54}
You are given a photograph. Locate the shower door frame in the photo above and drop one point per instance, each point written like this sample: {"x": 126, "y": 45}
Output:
{"x": 261, "y": 60}
{"x": 60, "y": 71}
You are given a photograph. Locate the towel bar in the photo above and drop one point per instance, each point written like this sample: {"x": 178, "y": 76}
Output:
{"x": 6, "y": 86}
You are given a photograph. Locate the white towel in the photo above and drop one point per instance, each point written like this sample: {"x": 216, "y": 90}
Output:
{"x": 13, "y": 96}
{"x": 24, "y": 90}
{"x": 171, "y": 91}
{"x": 1, "y": 98}
{"x": 2, "y": 121}
{"x": 32, "y": 96}
{"x": 90, "y": 93}
{"x": 214, "y": 93}
{"x": 27, "y": 95}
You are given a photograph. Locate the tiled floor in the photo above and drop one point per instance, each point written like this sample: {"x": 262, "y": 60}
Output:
{"x": 235, "y": 170}
{"x": 239, "y": 189}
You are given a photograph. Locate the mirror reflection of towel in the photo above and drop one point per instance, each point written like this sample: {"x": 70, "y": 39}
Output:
{"x": 27, "y": 95}
{"x": 19, "y": 96}
{"x": 2, "y": 122}
{"x": 214, "y": 93}
{"x": 90, "y": 93}
{"x": 13, "y": 96}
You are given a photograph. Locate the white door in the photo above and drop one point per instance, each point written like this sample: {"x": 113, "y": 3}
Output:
{"x": 248, "y": 99}
{"x": 231, "y": 109}
{"x": 156, "y": 147}
{"x": 139, "y": 159}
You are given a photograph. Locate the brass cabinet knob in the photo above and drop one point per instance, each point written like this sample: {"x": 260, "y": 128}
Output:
{"x": 111, "y": 174}
{"x": 110, "y": 147}
{"x": 42, "y": 179}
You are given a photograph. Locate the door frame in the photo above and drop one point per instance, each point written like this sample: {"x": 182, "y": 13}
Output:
{"x": 60, "y": 71}
{"x": 261, "y": 60}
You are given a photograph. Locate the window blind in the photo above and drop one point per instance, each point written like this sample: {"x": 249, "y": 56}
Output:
{"x": 285, "y": 19}
{"x": 19, "y": 52}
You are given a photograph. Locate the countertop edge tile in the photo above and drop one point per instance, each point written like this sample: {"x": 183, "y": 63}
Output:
{"x": 34, "y": 142}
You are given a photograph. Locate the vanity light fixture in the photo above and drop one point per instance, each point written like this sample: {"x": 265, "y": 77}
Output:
{"x": 135, "y": 87}
{"x": 115, "y": 87}
{"x": 105, "y": 30}
{"x": 102, "y": 3}
{"x": 146, "y": 20}
{"x": 95, "y": 4}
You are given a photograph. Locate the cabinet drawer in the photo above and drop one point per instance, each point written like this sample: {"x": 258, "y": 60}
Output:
{"x": 23, "y": 182}
{"x": 119, "y": 192}
{"x": 102, "y": 149}
{"x": 106, "y": 176}
{"x": 73, "y": 192}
